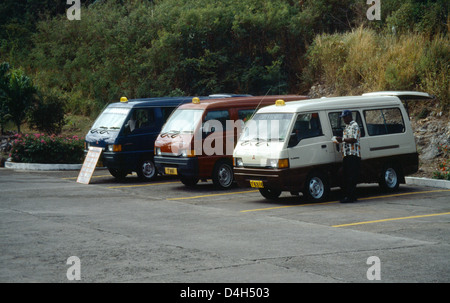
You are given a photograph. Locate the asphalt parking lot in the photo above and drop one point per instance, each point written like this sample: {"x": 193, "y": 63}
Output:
{"x": 162, "y": 231}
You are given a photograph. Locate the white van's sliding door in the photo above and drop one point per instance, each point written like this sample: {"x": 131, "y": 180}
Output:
{"x": 337, "y": 125}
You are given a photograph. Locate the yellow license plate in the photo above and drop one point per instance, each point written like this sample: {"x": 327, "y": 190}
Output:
{"x": 171, "y": 171}
{"x": 256, "y": 184}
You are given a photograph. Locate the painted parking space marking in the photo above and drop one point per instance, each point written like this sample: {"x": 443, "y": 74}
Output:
{"x": 141, "y": 185}
{"x": 359, "y": 199}
{"x": 391, "y": 219}
{"x": 213, "y": 195}
{"x": 286, "y": 206}
{"x": 74, "y": 178}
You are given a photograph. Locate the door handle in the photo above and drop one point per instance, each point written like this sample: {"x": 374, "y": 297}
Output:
{"x": 324, "y": 146}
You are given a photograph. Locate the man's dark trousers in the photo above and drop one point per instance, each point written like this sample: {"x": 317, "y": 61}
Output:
{"x": 351, "y": 167}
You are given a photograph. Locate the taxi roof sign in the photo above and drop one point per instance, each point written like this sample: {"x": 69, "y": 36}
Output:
{"x": 196, "y": 100}
{"x": 123, "y": 99}
{"x": 280, "y": 102}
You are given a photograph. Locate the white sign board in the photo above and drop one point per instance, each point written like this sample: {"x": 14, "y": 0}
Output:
{"x": 89, "y": 165}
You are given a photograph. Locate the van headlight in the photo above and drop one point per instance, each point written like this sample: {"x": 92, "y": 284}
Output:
{"x": 238, "y": 162}
{"x": 187, "y": 153}
{"x": 278, "y": 163}
{"x": 114, "y": 148}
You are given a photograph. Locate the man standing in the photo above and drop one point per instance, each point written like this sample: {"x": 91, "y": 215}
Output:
{"x": 352, "y": 156}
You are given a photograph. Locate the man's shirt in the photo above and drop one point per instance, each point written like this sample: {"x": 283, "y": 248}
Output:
{"x": 351, "y": 131}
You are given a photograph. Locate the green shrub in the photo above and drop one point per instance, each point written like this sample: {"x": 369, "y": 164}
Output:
{"x": 145, "y": 48}
{"x": 48, "y": 114}
{"x": 40, "y": 148}
{"x": 434, "y": 69}
{"x": 443, "y": 170}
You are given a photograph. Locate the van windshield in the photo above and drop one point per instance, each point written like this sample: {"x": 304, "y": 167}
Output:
{"x": 111, "y": 118}
{"x": 183, "y": 120}
{"x": 267, "y": 127}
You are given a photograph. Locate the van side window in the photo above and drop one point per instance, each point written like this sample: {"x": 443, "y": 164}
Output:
{"x": 219, "y": 115}
{"x": 338, "y": 125}
{"x": 306, "y": 126}
{"x": 141, "y": 120}
{"x": 384, "y": 121}
{"x": 245, "y": 114}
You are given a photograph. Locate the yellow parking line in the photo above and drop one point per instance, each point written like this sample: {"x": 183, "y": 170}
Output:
{"x": 405, "y": 194}
{"x": 141, "y": 185}
{"x": 360, "y": 199}
{"x": 391, "y": 219}
{"x": 74, "y": 178}
{"x": 213, "y": 195}
{"x": 286, "y": 206}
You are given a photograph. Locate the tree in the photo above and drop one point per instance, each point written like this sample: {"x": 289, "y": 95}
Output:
{"x": 4, "y": 112}
{"x": 19, "y": 95}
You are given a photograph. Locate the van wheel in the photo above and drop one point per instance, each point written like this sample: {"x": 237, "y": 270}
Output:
{"x": 147, "y": 170}
{"x": 270, "y": 194}
{"x": 316, "y": 188}
{"x": 389, "y": 180}
{"x": 118, "y": 173}
{"x": 189, "y": 181}
{"x": 223, "y": 175}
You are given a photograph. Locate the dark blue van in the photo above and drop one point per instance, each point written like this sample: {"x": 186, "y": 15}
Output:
{"x": 126, "y": 131}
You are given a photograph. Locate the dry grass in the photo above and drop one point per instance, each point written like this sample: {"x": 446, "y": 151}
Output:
{"x": 362, "y": 61}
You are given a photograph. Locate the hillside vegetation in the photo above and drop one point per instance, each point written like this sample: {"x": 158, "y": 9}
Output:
{"x": 141, "y": 48}
{"x": 363, "y": 60}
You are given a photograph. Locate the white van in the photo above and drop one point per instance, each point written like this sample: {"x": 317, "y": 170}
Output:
{"x": 289, "y": 147}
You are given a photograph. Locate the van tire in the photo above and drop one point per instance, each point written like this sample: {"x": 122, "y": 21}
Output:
{"x": 147, "y": 170}
{"x": 223, "y": 176}
{"x": 189, "y": 181}
{"x": 390, "y": 178}
{"x": 316, "y": 187}
{"x": 118, "y": 173}
{"x": 270, "y": 194}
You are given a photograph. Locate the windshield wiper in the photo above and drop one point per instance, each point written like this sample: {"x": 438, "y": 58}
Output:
{"x": 172, "y": 133}
{"x": 100, "y": 129}
{"x": 260, "y": 140}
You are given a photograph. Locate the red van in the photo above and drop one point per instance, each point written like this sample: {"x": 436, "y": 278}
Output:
{"x": 198, "y": 139}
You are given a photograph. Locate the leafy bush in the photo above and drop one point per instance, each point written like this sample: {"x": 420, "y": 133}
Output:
{"x": 152, "y": 48}
{"x": 145, "y": 48}
{"x": 443, "y": 171}
{"x": 434, "y": 69}
{"x": 48, "y": 114}
{"x": 17, "y": 94}
{"x": 40, "y": 148}
{"x": 427, "y": 17}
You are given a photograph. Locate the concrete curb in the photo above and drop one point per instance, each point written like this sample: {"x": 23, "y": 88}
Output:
{"x": 55, "y": 167}
{"x": 428, "y": 182}
{"x": 41, "y": 167}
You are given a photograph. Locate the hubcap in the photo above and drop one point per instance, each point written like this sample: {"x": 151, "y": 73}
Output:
{"x": 148, "y": 169}
{"x": 316, "y": 188}
{"x": 390, "y": 177}
{"x": 225, "y": 176}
